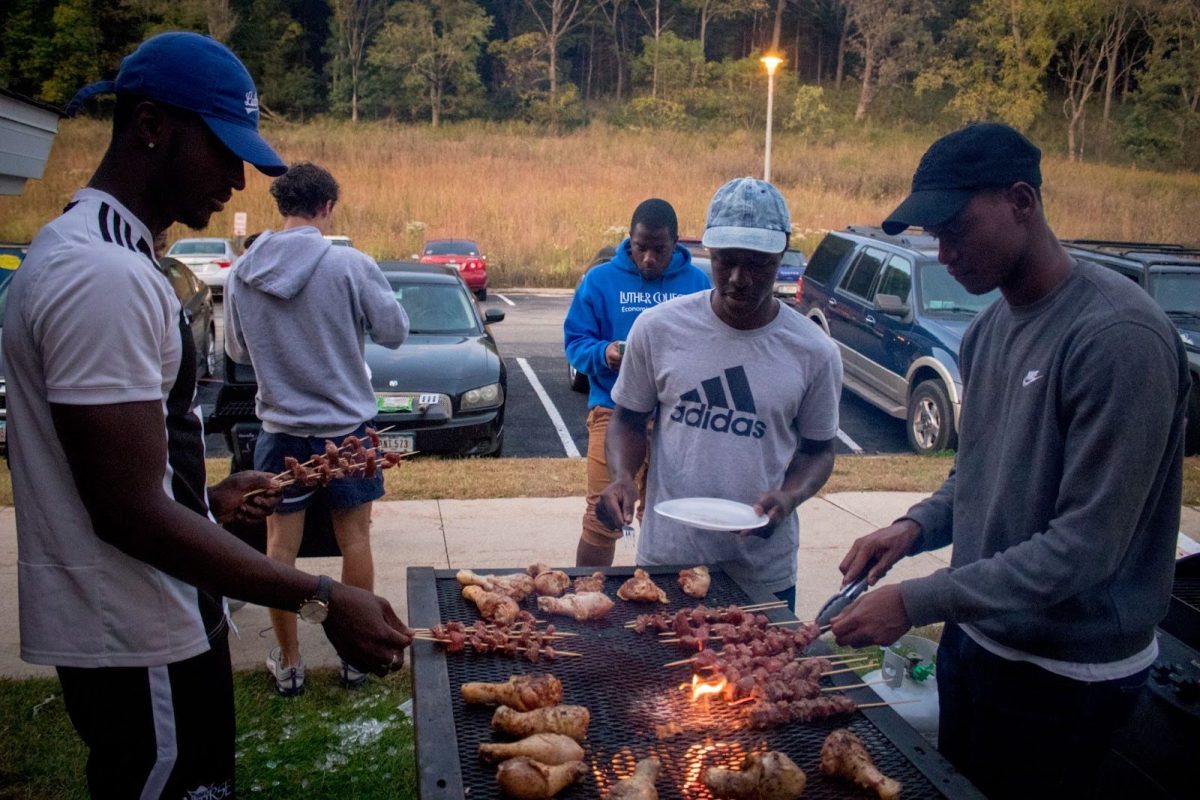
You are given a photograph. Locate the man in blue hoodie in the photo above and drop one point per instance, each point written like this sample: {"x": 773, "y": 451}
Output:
{"x": 297, "y": 309}
{"x": 650, "y": 267}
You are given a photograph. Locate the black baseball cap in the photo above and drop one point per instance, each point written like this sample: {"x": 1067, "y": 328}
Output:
{"x": 983, "y": 155}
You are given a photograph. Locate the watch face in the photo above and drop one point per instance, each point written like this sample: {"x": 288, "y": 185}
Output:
{"x": 314, "y": 611}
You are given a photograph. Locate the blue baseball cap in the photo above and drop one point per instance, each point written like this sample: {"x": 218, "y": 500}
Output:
{"x": 199, "y": 74}
{"x": 748, "y": 214}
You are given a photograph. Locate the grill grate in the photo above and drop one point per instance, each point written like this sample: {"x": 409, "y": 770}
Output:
{"x": 629, "y": 693}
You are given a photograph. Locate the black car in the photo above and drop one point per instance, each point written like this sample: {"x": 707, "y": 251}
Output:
{"x": 197, "y": 303}
{"x": 443, "y": 391}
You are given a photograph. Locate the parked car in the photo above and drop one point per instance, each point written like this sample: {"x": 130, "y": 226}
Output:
{"x": 209, "y": 258}
{"x": 787, "y": 280}
{"x": 443, "y": 391}
{"x": 194, "y": 297}
{"x": 1171, "y": 274}
{"x": 339, "y": 241}
{"x": 898, "y": 318}
{"x": 463, "y": 254}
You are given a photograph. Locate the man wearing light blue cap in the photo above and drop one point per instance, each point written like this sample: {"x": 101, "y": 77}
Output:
{"x": 121, "y": 567}
{"x": 746, "y": 395}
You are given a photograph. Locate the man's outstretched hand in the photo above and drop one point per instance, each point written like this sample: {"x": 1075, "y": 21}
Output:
{"x": 229, "y": 503}
{"x": 365, "y": 631}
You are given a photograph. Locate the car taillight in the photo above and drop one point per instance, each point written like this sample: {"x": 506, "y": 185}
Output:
{"x": 473, "y": 263}
{"x": 800, "y": 286}
{"x": 224, "y": 264}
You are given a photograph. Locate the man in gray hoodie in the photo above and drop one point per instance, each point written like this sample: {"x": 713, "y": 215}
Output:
{"x": 297, "y": 309}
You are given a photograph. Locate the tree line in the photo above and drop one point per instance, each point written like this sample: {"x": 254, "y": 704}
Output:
{"x": 1121, "y": 74}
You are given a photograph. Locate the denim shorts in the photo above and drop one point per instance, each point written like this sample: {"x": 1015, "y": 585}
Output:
{"x": 343, "y": 493}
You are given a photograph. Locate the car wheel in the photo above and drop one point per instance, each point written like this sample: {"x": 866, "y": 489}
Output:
{"x": 1191, "y": 440}
{"x": 481, "y": 293}
{"x": 578, "y": 381}
{"x": 499, "y": 451}
{"x": 930, "y": 419}
{"x": 208, "y": 361}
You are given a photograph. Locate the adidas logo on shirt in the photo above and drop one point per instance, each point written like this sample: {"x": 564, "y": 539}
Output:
{"x": 713, "y": 411}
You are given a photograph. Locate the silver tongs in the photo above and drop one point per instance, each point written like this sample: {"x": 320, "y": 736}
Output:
{"x": 836, "y": 604}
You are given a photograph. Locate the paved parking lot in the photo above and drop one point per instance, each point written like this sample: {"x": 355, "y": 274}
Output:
{"x": 545, "y": 418}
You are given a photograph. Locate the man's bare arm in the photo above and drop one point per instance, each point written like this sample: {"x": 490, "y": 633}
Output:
{"x": 625, "y": 450}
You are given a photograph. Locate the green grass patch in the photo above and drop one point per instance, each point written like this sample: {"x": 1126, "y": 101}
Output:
{"x": 329, "y": 742}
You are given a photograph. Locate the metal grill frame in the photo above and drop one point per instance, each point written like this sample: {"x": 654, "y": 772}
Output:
{"x": 439, "y": 770}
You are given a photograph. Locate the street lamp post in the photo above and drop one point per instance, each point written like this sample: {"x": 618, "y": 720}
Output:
{"x": 771, "y": 62}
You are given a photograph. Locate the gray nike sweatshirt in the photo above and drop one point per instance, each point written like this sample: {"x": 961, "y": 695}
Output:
{"x": 1063, "y": 506}
{"x": 297, "y": 310}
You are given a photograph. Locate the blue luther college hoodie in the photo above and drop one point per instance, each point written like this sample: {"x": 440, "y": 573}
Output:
{"x": 297, "y": 309}
{"x": 609, "y": 298}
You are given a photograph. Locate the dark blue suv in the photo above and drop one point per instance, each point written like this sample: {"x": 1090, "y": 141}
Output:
{"x": 898, "y": 318}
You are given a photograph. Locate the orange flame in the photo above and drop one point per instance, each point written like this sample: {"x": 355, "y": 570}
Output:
{"x": 701, "y": 688}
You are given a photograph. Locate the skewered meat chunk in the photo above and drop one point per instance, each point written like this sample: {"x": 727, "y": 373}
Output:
{"x": 845, "y": 756}
{"x": 762, "y": 776}
{"x": 522, "y": 692}
{"x": 548, "y": 748}
{"x": 695, "y": 581}
{"x": 568, "y": 720}
{"x": 640, "y": 785}
{"x": 527, "y": 779}
{"x": 590, "y": 583}
{"x": 516, "y": 585}
{"x": 582, "y": 606}
{"x": 497, "y": 608}
{"x": 549, "y": 582}
{"x": 641, "y": 589}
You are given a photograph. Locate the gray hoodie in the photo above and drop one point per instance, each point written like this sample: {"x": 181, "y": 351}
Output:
{"x": 297, "y": 309}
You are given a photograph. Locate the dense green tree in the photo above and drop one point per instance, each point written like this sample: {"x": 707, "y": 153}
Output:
{"x": 272, "y": 47}
{"x": 354, "y": 23}
{"x": 676, "y": 64}
{"x": 888, "y": 36}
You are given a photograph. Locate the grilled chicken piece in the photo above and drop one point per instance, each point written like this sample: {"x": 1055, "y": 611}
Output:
{"x": 640, "y": 785}
{"x": 695, "y": 581}
{"x": 640, "y": 589}
{"x": 548, "y": 748}
{"x": 549, "y": 582}
{"x": 582, "y": 606}
{"x": 763, "y": 776}
{"x": 591, "y": 583}
{"x": 527, "y": 779}
{"x": 568, "y": 720}
{"x": 498, "y": 608}
{"x": 516, "y": 585}
{"x": 522, "y": 692}
{"x": 845, "y": 756}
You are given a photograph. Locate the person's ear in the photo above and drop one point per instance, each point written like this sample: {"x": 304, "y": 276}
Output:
{"x": 151, "y": 126}
{"x": 1024, "y": 201}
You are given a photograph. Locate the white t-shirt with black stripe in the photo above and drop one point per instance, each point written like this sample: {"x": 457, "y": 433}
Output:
{"x": 91, "y": 321}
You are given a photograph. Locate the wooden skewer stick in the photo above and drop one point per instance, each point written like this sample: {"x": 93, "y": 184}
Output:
{"x": 869, "y": 665}
{"x": 892, "y": 703}
{"x": 833, "y": 660}
{"x": 851, "y": 686}
{"x": 753, "y": 608}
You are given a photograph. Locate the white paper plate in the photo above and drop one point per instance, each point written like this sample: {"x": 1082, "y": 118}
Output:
{"x": 712, "y": 513}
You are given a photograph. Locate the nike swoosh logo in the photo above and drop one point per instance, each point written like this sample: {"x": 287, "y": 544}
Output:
{"x": 1030, "y": 378}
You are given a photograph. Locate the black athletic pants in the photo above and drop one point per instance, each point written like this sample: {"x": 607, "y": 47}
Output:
{"x": 156, "y": 732}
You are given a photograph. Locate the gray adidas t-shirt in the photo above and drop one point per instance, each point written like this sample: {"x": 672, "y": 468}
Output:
{"x": 732, "y": 407}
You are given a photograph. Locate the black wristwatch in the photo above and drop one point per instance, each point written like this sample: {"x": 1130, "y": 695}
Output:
{"x": 316, "y": 608}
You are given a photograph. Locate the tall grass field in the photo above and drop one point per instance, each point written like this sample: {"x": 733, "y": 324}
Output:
{"x": 540, "y": 205}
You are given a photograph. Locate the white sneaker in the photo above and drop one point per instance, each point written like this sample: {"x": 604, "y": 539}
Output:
{"x": 289, "y": 681}
{"x": 352, "y": 678}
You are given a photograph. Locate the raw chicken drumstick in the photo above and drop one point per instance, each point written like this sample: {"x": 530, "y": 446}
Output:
{"x": 844, "y": 756}
{"x": 640, "y": 785}
{"x": 695, "y": 581}
{"x": 493, "y": 607}
{"x": 522, "y": 692}
{"x": 568, "y": 720}
{"x": 517, "y": 585}
{"x": 582, "y": 606}
{"x": 591, "y": 583}
{"x": 549, "y": 582}
{"x": 548, "y": 748}
{"x": 527, "y": 779}
{"x": 640, "y": 589}
{"x": 763, "y": 776}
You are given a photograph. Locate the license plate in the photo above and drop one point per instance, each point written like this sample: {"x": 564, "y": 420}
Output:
{"x": 397, "y": 442}
{"x": 385, "y": 402}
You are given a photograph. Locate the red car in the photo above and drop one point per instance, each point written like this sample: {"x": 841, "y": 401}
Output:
{"x": 461, "y": 253}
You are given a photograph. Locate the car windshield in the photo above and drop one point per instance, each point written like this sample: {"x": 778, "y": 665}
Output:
{"x": 942, "y": 294}
{"x": 451, "y": 247}
{"x": 197, "y": 248}
{"x": 1178, "y": 293}
{"x": 3, "y": 300}
{"x": 435, "y": 307}
{"x": 792, "y": 258}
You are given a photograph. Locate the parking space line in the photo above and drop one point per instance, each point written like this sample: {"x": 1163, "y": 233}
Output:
{"x": 846, "y": 440}
{"x": 502, "y": 297}
{"x": 559, "y": 426}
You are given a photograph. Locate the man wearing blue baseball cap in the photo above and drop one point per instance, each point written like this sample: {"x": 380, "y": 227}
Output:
{"x": 1062, "y": 514}
{"x": 121, "y": 567}
{"x": 746, "y": 396}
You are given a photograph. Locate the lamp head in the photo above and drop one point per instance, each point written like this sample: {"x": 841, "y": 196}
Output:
{"x": 771, "y": 62}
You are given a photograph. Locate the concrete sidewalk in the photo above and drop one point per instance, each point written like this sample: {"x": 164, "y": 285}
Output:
{"x": 515, "y": 532}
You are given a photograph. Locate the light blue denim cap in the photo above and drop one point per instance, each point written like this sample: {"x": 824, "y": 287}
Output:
{"x": 748, "y": 214}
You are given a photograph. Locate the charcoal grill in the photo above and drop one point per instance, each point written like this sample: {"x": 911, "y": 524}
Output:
{"x": 621, "y": 679}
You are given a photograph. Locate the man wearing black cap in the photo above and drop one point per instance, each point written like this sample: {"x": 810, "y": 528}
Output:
{"x": 121, "y": 568}
{"x": 1063, "y": 514}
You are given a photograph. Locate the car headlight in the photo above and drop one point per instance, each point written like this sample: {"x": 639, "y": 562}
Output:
{"x": 489, "y": 396}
